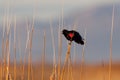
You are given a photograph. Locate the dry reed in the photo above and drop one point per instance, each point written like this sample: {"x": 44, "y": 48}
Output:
{"x": 30, "y": 37}
{"x": 53, "y": 75}
{"x": 8, "y": 43}
{"x": 3, "y": 50}
{"x": 43, "y": 56}
{"x": 20, "y": 55}
{"x": 111, "y": 38}
{"x": 15, "y": 48}
{"x": 83, "y": 58}
{"x": 66, "y": 60}
{"x": 59, "y": 49}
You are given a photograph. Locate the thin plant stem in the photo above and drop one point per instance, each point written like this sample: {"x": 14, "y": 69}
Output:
{"x": 59, "y": 50}
{"x": 43, "y": 56}
{"x": 54, "y": 52}
{"x": 15, "y": 48}
{"x": 31, "y": 37}
{"x": 83, "y": 58}
{"x": 111, "y": 38}
{"x": 28, "y": 50}
{"x": 70, "y": 74}
{"x": 66, "y": 60}
{"x": 19, "y": 48}
{"x": 8, "y": 40}
{"x": 3, "y": 50}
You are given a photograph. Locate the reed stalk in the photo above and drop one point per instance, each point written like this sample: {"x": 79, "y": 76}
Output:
{"x": 3, "y": 51}
{"x": 1, "y": 68}
{"x": 28, "y": 50}
{"x": 15, "y": 48}
{"x": 31, "y": 39}
{"x": 83, "y": 58}
{"x": 43, "y": 55}
{"x": 66, "y": 60}
{"x": 70, "y": 70}
{"x": 111, "y": 38}
{"x": 59, "y": 50}
{"x": 20, "y": 55}
{"x": 53, "y": 75}
{"x": 8, "y": 42}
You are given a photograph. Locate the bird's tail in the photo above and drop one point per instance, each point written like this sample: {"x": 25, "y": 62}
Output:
{"x": 82, "y": 42}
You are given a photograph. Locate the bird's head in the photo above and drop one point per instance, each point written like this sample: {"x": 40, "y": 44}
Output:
{"x": 64, "y": 31}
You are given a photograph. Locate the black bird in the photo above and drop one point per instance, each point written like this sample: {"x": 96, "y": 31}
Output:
{"x": 73, "y": 36}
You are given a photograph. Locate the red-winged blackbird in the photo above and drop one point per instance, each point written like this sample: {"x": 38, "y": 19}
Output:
{"x": 73, "y": 36}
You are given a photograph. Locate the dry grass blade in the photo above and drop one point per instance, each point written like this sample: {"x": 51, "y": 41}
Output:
{"x": 3, "y": 51}
{"x": 15, "y": 48}
{"x": 83, "y": 58}
{"x": 8, "y": 44}
{"x": 43, "y": 56}
{"x": 26, "y": 50}
{"x": 30, "y": 34}
{"x": 111, "y": 37}
{"x": 59, "y": 50}
{"x": 20, "y": 55}
{"x": 66, "y": 60}
{"x": 54, "y": 54}
{"x": 70, "y": 70}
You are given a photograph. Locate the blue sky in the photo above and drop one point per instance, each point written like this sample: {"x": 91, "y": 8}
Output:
{"x": 46, "y": 8}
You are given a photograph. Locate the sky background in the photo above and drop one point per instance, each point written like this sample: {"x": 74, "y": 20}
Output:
{"x": 48, "y": 8}
{"x": 93, "y": 15}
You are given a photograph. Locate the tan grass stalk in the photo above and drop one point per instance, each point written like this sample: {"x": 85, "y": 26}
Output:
{"x": 59, "y": 49}
{"x": 0, "y": 68}
{"x": 53, "y": 75}
{"x": 66, "y": 60}
{"x": 60, "y": 38}
{"x": 83, "y": 58}
{"x": 8, "y": 40}
{"x": 70, "y": 70}
{"x": 43, "y": 55}
{"x": 31, "y": 37}
{"x": 26, "y": 50}
{"x": 111, "y": 38}
{"x": 28, "y": 47}
{"x": 23, "y": 69}
{"x": 29, "y": 63}
{"x": 20, "y": 55}
{"x": 3, "y": 51}
{"x": 15, "y": 48}
{"x": 4, "y": 43}
{"x": 74, "y": 55}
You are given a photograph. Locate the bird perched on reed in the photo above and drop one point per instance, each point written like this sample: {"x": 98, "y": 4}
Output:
{"x": 73, "y": 36}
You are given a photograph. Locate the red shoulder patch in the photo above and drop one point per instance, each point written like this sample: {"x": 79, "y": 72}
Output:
{"x": 71, "y": 35}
